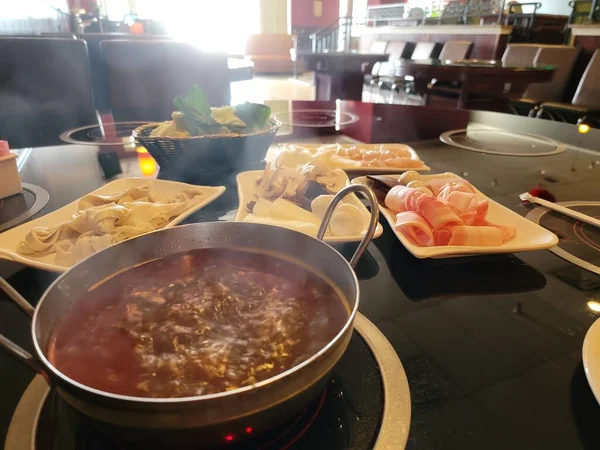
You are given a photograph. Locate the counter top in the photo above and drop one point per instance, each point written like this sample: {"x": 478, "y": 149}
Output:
{"x": 585, "y": 30}
{"x": 441, "y": 29}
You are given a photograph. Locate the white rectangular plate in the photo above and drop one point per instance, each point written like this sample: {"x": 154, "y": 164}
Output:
{"x": 11, "y": 238}
{"x": 245, "y": 185}
{"x": 530, "y": 236}
{"x": 274, "y": 150}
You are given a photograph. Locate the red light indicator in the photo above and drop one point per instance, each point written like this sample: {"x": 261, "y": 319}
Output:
{"x": 229, "y": 437}
{"x": 248, "y": 430}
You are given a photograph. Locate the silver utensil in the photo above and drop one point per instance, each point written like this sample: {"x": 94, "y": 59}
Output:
{"x": 526, "y": 196}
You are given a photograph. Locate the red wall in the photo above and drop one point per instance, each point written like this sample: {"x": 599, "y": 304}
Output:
{"x": 302, "y": 13}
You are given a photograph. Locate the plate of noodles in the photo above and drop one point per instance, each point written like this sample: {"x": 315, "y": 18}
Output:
{"x": 119, "y": 210}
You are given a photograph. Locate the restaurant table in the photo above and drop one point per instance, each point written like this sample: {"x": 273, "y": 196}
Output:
{"x": 491, "y": 345}
{"x": 340, "y": 75}
{"x": 478, "y": 81}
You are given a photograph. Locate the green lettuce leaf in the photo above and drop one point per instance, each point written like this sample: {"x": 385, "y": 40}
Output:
{"x": 197, "y": 114}
{"x": 254, "y": 115}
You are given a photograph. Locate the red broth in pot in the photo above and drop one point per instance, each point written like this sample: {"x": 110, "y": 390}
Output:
{"x": 197, "y": 323}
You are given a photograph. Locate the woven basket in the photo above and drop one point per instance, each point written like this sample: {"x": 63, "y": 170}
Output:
{"x": 207, "y": 152}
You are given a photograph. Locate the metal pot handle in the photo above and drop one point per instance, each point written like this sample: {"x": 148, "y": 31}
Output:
{"x": 8, "y": 345}
{"x": 370, "y": 196}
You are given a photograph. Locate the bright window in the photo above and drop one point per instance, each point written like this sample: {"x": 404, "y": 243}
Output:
{"x": 222, "y": 25}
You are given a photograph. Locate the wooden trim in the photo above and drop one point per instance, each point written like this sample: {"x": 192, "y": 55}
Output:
{"x": 443, "y": 29}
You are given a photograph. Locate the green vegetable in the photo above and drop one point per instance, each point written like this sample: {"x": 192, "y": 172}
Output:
{"x": 197, "y": 114}
{"x": 254, "y": 115}
{"x": 198, "y": 118}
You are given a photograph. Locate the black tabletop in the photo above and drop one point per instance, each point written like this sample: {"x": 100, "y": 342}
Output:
{"x": 491, "y": 345}
{"x": 341, "y": 61}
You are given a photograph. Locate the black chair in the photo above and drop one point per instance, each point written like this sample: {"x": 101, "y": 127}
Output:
{"x": 521, "y": 21}
{"x": 145, "y": 76}
{"x": 581, "y": 11}
{"x": 422, "y": 50}
{"x": 45, "y": 89}
{"x": 585, "y": 103}
{"x": 98, "y": 70}
{"x": 396, "y": 50}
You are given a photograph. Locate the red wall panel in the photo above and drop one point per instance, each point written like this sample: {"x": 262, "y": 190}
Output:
{"x": 302, "y": 13}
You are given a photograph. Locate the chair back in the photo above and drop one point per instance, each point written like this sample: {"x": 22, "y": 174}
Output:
{"x": 588, "y": 90}
{"x": 519, "y": 55}
{"x": 378, "y": 47}
{"x": 396, "y": 50}
{"x": 563, "y": 58}
{"x": 97, "y": 68}
{"x": 514, "y": 8}
{"x": 145, "y": 76}
{"x": 45, "y": 89}
{"x": 456, "y": 50}
{"x": 423, "y": 50}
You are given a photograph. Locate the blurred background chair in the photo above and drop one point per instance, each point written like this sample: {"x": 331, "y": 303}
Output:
{"x": 426, "y": 50}
{"x": 145, "y": 76}
{"x": 399, "y": 49}
{"x": 378, "y": 47}
{"x": 98, "y": 70}
{"x": 382, "y": 73}
{"x": 519, "y": 55}
{"x": 581, "y": 11}
{"x": 563, "y": 59}
{"x": 586, "y": 101}
{"x": 422, "y": 50}
{"x": 522, "y": 20}
{"x": 456, "y": 50}
{"x": 452, "y": 51}
{"x": 45, "y": 89}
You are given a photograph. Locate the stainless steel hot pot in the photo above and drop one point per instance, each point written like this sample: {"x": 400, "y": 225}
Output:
{"x": 259, "y": 406}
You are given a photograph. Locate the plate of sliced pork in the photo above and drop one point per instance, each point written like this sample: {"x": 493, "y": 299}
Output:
{"x": 352, "y": 158}
{"x": 443, "y": 215}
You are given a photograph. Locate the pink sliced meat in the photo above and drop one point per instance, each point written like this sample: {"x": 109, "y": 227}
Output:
{"x": 477, "y": 236}
{"x": 442, "y": 236}
{"x": 469, "y": 208}
{"x": 461, "y": 202}
{"x": 404, "y": 163}
{"x": 453, "y": 215}
{"x": 509, "y": 231}
{"x": 439, "y": 214}
{"x": 401, "y": 198}
{"x": 415, "y": 228}
{"x": 441, "y": 187}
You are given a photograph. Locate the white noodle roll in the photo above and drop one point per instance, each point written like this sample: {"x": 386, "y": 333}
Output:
{"x": 41, "y": 239}
{"x": 100, "y": 219}
{"x": 129, "y": 195}
{"x": 104, "y": 220}
{"x": 156, "y": 214}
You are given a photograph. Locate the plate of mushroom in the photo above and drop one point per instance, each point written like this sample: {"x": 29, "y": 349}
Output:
{"x": 298, "y": 198}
